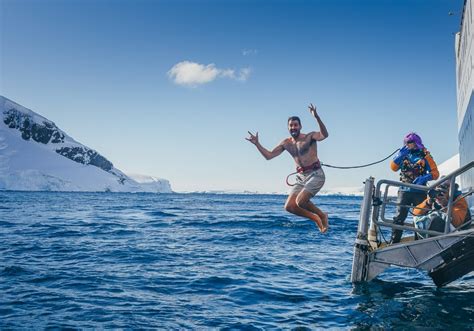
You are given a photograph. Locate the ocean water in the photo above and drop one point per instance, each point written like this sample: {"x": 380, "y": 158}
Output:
{"x": 199, "y": 261}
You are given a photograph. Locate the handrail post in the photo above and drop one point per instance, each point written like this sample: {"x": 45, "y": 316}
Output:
{"x": 452, "y": 190}
{"x": 361, "y": 247}
{"x": 363, "y": 227}
{"x": 372, "y": 236}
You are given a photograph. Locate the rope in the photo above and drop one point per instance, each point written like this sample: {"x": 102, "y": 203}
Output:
{"x": 360, "y": 166}
{"x": 287, "y": 182}
{"x": 337, "y": 167}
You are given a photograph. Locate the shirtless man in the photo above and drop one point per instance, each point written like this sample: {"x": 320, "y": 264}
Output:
{"x": 310, "y": 178}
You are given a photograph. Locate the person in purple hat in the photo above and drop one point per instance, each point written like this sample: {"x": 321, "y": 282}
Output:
{"x": 416, "y": 167}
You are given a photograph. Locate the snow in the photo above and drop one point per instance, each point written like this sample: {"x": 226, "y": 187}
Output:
{"x": 27, "y": 165}
{"x": 449, "y": 165}
{"x": 151, "y": 184}
{"x": 350, "y": 191}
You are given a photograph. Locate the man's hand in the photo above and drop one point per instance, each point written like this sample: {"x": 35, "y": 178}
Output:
{"x": 253, "y": 138}
{"x": 312, "y": 110}
{"x": 323, "y": 134}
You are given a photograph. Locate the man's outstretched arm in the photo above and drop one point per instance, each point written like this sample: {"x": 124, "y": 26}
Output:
{"x": 265, "y": 152}
{"x": 323, "y": 134}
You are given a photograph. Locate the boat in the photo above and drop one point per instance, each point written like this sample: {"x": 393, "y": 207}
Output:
{"x": 445, "y": 256}
{"x": 464, "y": 49}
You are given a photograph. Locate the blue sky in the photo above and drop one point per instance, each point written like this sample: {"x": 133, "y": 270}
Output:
{"x": 101, "y": 70}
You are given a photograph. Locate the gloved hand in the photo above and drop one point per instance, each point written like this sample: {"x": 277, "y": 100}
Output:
{"x": 401, "y": 154}
{"x": 422, "y": 180}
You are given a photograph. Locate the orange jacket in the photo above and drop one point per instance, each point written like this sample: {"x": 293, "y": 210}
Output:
{"x": 460, "y": 210}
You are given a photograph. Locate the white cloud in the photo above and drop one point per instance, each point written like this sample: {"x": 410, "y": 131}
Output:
{"x": 247, "y": 52}
{"x": 192, "y": 74}
{"x": 244, "y": 74}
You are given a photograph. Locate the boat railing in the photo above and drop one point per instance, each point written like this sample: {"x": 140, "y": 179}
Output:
{"x": 381, "y": 201}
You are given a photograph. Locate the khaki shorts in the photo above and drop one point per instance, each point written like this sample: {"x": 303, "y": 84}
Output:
{"x": 310, "y": 181}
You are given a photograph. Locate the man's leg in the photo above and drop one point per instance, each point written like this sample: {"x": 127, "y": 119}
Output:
{"x": 312, "y": 186}
{"x": 292, "y": 206}
{"x": 417, "y": 198}
{"x": 312, "y": 208}
{"x": 399, "y": 219}
{"x": 437, "y": 224}
{"x": 405, "y": 198}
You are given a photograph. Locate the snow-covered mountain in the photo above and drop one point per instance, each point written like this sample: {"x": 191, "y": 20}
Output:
{"x": 35, "y": 155}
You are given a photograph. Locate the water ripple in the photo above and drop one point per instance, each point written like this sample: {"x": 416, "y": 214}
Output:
{"x": 200, "y": 261}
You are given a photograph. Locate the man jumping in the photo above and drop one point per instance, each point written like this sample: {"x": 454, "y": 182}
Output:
{"x": 310, "y": 178}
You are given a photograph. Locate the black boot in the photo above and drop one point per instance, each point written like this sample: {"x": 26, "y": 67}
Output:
{"x": 396, "y": 234}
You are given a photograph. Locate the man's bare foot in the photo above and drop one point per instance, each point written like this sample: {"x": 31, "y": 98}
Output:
{"x": 325, "y": 222}
{"x": 322, "y": 228}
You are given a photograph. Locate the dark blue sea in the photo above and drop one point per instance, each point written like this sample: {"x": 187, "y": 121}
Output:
{"x": 199, "y": 261}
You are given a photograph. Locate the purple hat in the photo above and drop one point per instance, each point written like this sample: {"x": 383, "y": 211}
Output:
{"x": 412, "y": 136}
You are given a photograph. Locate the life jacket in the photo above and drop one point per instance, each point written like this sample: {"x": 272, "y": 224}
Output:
{"x": 414, "y": 165}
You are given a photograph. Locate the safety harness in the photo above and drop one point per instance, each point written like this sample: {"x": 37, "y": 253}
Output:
{"x": 299, "y": 170}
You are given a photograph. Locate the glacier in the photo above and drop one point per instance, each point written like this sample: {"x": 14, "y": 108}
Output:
{"x": 36, "y": 155}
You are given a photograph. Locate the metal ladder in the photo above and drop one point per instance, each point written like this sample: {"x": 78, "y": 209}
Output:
{"x": 440, "y": 255}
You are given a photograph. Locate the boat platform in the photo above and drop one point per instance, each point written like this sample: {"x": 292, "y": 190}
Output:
{"x": 444, "y": 256}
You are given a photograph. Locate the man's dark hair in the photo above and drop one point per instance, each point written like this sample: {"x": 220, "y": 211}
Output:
{"x": 294, "y": 118}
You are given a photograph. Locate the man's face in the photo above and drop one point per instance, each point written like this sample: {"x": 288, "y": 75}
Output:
{"x": 442, "y": 198}
{"x": 294, "y": 128}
